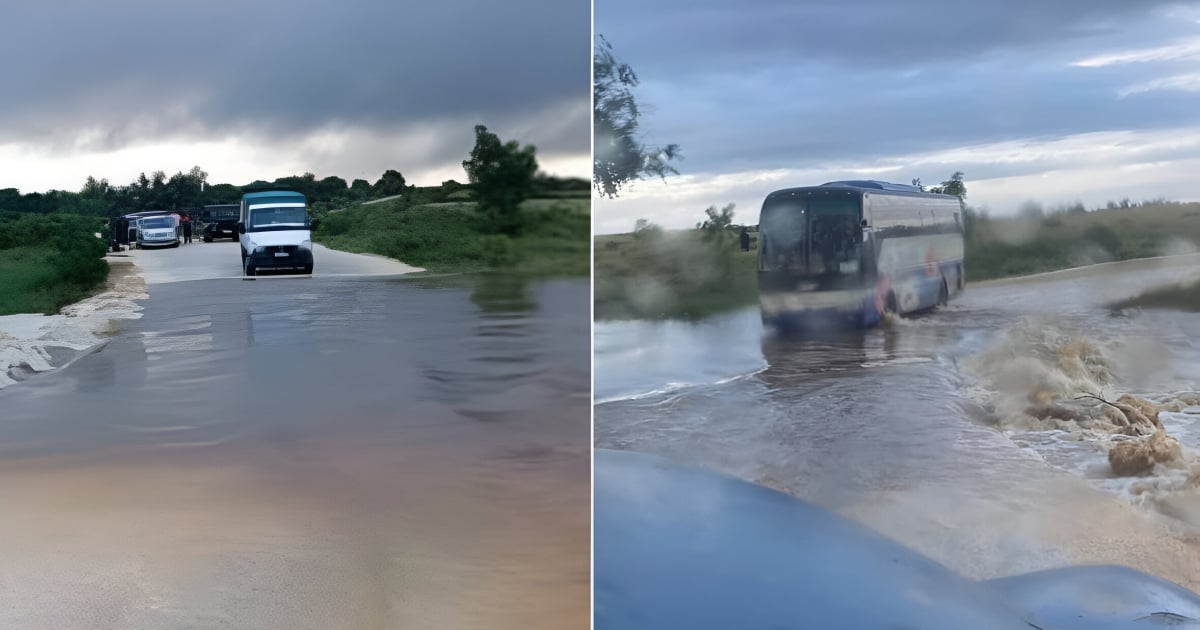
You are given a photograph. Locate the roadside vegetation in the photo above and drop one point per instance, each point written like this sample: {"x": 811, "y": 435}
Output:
{"x": 652, "y": 273}
{"x": 1038, "y": 241}
{"x": 508, "y": 218}
{"x": 446, "y": 236}
{"x": 48, "y": 261}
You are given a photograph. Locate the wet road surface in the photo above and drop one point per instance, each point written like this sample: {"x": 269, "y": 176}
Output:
{"x": 221, "y": 259}
{"x": 308, "y": 453}
{"x": 915, "y": 428}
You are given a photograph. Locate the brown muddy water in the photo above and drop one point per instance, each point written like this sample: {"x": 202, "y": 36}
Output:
{"x": 920, "y": 428}
{"x": 308, "y": 453}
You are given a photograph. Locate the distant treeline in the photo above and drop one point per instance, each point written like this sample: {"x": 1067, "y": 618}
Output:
{"x": 192, "y": 190}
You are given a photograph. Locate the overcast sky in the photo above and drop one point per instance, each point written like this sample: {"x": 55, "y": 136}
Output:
{"x": 259, "y": 89}
{"x": 1046, "y": 100}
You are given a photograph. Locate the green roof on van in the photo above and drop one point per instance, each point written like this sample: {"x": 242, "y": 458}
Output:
{"x": 273, "y": 193}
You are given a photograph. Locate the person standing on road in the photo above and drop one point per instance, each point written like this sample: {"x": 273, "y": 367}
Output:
{"x": 187, "y": 230}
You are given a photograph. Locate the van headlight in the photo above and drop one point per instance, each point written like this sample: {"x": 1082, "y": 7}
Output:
{"x": 306, "y": 245}
{"x": 258, "y": 249}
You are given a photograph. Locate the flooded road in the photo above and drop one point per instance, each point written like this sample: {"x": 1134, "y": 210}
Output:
{"x": 918, "y": 428}
{"x": 308, "y": 453}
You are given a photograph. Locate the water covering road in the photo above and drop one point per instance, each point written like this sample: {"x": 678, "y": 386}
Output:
{"x": 917, "y": 428}
{"x": 339, "y": 452}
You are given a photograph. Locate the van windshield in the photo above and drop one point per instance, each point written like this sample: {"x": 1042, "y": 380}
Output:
{"x": 156, "y": 222}
{"x": 268, "y": 218}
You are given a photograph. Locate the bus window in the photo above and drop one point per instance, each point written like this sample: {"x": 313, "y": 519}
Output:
{"x": 781, "y": 235}
{"x": 836, "y": 236}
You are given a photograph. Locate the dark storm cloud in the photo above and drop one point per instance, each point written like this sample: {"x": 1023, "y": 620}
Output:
{"x": 780, "y": 84}
{"x": 135, "y": 71}
{"x": 693, "y": 37}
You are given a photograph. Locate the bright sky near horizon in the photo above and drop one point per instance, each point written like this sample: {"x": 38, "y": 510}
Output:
{"x": 267, "y": 89}
{"x": 1051, "y": 102}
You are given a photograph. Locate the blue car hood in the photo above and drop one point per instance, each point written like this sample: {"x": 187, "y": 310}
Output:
{"x": 677, "y": 547}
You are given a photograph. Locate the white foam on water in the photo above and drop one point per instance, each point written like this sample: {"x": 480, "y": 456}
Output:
{"x": 29, "y": 342}
{"x": 1032, "y": 381}
{"x": 899, "y": 361}
{"x": 673, "y": 387}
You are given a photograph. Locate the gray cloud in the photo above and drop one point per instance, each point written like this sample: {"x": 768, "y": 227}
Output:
{"x": 686, "y": 36}
{"x": 101, "y": 76}
{"x": 780, "y": 84}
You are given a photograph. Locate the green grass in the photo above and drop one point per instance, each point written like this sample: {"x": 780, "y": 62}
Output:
{"x": 1002, "y": 248}
{"x": 446, "y": 237}
{"x": 29, "y": 282}
{"x": 673, "y": 275}
{"x": 1181, "y": 297}
{"x": 48, "y": 261}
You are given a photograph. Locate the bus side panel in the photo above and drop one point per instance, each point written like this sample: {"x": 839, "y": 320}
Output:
{"x": 915, "y": 266}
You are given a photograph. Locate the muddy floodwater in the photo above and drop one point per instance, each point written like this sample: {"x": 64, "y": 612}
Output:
{"x": 308, "y": 453}
{"x": 922, "y": 427}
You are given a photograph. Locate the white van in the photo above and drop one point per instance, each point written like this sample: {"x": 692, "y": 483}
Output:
{"x": 275, "y": 232}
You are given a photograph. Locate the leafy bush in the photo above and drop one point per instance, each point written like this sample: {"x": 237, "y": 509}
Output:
{"x": 497, "y": 250}
{"x": 1105, "y": 238}
{"x": 48, "y": 261}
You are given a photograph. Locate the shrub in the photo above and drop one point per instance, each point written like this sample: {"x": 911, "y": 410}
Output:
{"x": 1105, "y": 238}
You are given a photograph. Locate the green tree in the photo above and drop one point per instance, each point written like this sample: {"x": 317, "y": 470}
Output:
{"x": 619, "y": 155}
{"x": 644, "y": 230}
{"x": 953, "y": 186}
{"x": 93, "y": 189}
{"x": 715, "y": 228}
{"x": 502, "y": 174}
{"x": 360, "y": 188}
{"x": 390, "y": 183}
{"x": 332, "y": 187}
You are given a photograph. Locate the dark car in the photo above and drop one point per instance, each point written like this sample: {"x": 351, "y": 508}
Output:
{"x": 221, "y": 228}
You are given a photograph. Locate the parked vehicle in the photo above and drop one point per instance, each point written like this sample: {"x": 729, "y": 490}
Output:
{"x": 158, "y": 231}
{"x": 845, "y": 253}
{"x": 220, "y": 221}
{"x": 275, "y": 232}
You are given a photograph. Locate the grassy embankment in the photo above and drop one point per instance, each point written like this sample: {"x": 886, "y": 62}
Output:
{"x": 674, "y": 279}
{"x": 672, "y": 274}
{"x": 48, "y": 261}
{"x": 448, "y": 237}
{"x": 1001, "y": 248}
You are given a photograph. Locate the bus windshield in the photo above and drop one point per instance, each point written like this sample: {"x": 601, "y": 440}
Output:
{"x": 813, "y": 236}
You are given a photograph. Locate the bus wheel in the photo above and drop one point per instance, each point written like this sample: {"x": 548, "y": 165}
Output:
{"x": 944, "y": 296}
